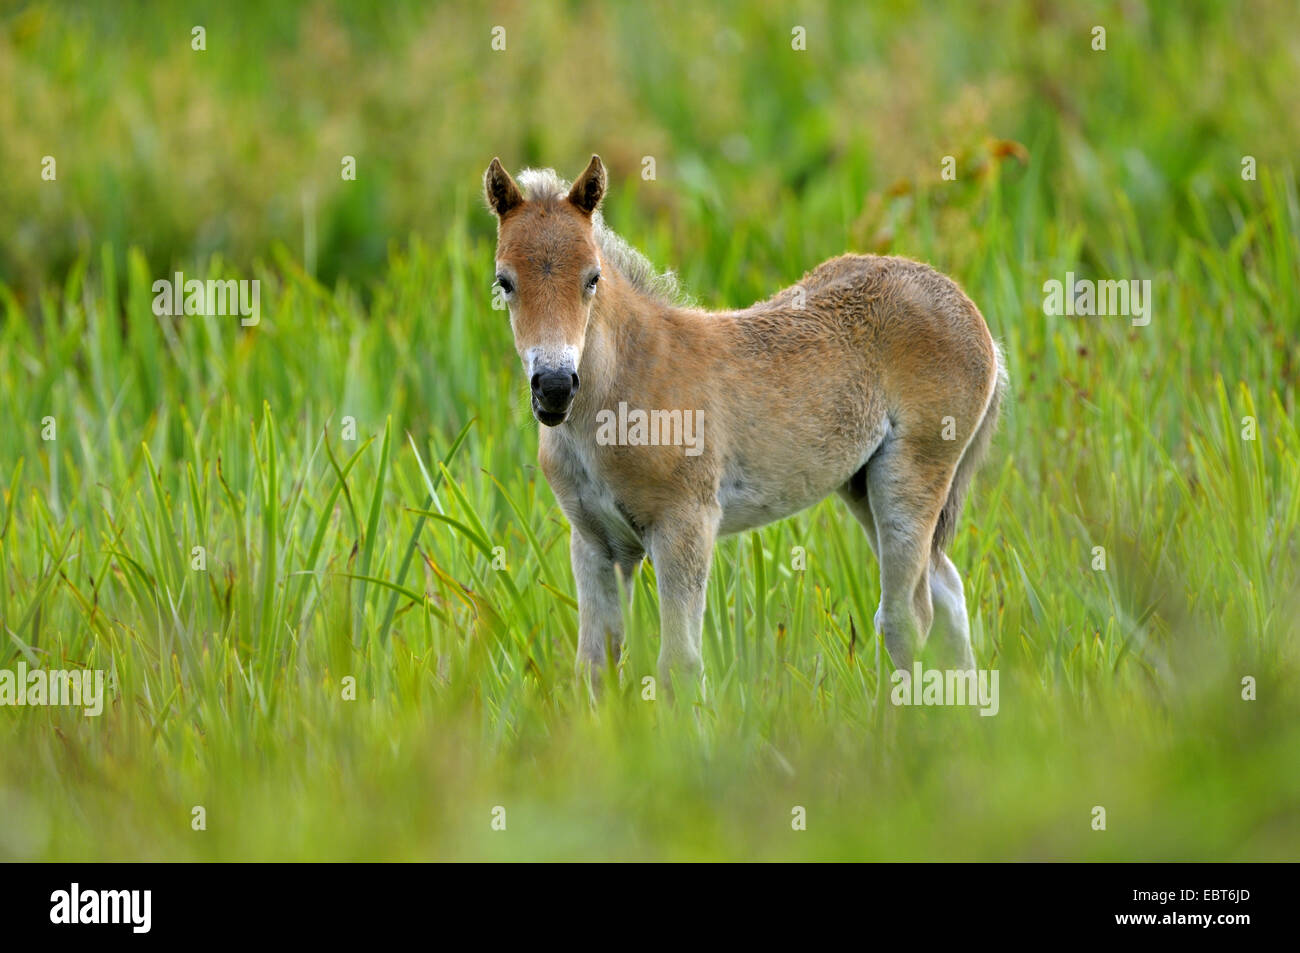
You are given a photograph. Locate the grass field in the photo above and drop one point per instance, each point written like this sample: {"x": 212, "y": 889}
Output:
{"x": 426, "y": 558}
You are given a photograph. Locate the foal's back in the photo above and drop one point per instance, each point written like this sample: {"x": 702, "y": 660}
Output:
{"x": 896, "y": 326}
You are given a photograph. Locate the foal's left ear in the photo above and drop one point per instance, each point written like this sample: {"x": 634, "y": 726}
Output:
{"x": 589, "y": 189}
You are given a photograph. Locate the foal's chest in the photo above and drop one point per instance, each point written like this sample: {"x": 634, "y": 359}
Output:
{"x": 589, "y": 500}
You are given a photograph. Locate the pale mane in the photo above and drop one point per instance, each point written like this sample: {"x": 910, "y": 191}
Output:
{"x": 635, "y": 267}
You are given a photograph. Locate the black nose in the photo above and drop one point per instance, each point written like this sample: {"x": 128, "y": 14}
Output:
{"x": 554, "y": 389}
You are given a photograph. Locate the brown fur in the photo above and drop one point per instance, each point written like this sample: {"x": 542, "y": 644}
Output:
{"x": 841, "y": 382}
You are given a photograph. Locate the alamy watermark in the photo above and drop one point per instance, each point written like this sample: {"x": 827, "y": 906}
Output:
{"x": 132, "y": 908}
{"x": 57, "y": 687}
{"x": 946, "y": 687}
{"x": 653, "y": 428}
{"x": 211, "y": 298}
{"x": 1085, "y": 297}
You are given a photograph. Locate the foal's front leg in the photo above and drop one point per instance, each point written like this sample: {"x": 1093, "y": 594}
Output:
{"x": 681, "y": 547}
{"x": 600, "y": 610}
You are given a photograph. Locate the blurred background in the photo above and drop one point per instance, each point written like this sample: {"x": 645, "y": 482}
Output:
{"x": 237, "y": 148}
{"x": 1121, "y": 687}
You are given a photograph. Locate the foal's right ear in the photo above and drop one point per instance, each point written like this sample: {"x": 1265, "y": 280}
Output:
{"x": 501, "y": 191}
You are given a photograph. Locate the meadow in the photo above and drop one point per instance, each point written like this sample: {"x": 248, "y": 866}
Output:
{"x": 331, "y": 590}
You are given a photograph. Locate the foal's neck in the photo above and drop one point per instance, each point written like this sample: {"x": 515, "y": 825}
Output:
{"x": 621, "y": 316}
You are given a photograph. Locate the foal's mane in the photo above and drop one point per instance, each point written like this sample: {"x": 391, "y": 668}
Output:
{"x": 546, "y": 185}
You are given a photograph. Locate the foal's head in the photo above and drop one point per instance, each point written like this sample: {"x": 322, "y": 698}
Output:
{"x": 548, "y": 269}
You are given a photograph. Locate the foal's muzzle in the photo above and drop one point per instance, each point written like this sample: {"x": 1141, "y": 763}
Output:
{"x": 553, "y": 391}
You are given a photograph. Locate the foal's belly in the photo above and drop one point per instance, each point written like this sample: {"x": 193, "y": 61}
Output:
{"x": 753, "y": 495}
{"x": 742, "y": 511}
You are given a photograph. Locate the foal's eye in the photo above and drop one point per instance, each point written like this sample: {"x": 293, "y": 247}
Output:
{"x": 591, "y": 283}
{"x": 504, "y": 283}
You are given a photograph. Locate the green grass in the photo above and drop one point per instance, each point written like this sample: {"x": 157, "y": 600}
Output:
{"x": 374, "y": 558}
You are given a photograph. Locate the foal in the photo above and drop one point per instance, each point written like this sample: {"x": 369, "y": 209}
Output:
{"x": 874, "y": 377}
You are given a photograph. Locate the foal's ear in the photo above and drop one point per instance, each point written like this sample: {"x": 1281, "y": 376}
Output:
{"x": 501, "y": 191}
{"x": 590, "y": 187}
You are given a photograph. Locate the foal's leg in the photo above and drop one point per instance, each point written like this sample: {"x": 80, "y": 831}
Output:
{"x": 600, "y": 610}
{"x": 681, "y": 547}
{"x": 951, "y": 632}
{"x": 854, "y": 494}
{"x": 906, "y": 490}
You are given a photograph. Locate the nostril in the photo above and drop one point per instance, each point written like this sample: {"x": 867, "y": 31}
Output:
{"x": 554, "y": 388}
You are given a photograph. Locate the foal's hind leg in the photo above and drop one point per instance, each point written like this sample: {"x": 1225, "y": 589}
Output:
{"x": 906, "y": 489}
{"x": 951, "y": 630}
{"x": 854, "y": 494}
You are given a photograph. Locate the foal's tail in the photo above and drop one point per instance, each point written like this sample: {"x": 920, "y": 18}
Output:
{"x": 971, "y": 458}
